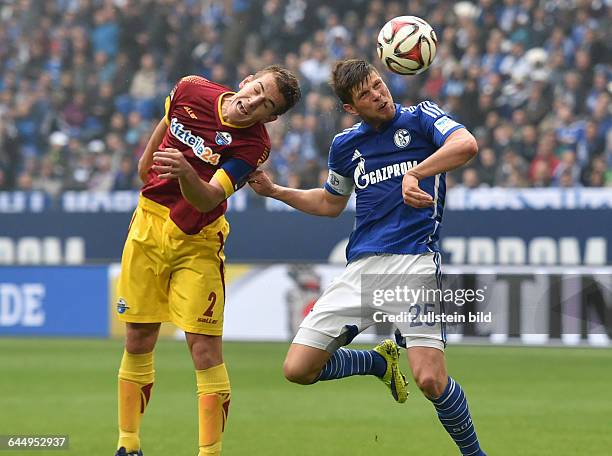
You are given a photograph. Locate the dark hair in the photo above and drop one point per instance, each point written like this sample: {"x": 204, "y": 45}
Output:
{"x": 287, "y": 84}
{"x": 349, "y": 75}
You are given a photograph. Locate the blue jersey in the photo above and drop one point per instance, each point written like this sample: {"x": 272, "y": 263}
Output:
{"x": 373, "y": 162}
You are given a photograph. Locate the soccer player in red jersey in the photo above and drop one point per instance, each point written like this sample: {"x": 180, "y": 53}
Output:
{"x": 172, "y": 267}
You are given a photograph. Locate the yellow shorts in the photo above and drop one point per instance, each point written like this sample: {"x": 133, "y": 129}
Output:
{"x": 167, "y": 275}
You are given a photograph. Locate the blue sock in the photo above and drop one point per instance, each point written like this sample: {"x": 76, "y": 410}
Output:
{"x": 454, "y": 415}
{"x": 345, "y": 362}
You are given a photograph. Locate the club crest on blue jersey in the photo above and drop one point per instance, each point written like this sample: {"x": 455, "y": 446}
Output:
{"x": 401, "y": 138}
{"x": 223, "y": 138}
{"x": 121, "y": 306}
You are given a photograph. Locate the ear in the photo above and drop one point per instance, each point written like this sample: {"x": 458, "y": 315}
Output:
{"x": 348, "y": 108}
{"x": 246, "y": 80}
{"x": 269, "y": 119}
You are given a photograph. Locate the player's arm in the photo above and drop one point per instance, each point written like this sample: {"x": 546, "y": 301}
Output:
{"x": 204, "y": 196}
{"x": 146, "y": 161}
{"x": 459, "y": 148}
{"x": 316, "y": 201}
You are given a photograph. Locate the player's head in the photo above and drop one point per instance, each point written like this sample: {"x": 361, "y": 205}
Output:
{"x": 362, "y": 91}
{"x": 264, "y": 96}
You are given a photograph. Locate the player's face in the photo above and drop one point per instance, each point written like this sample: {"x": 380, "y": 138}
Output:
{"x": 372, "y": 101}
{"x": 256, "y": 101}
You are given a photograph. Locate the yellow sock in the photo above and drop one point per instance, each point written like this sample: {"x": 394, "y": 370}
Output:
{"x": 213, "y": 406}
{"x": 136, "y": 375}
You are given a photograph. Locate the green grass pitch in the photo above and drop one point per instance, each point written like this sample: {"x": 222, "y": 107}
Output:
{"x": 525, "y": 401}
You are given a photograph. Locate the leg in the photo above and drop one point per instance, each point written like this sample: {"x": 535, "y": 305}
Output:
{"x": 206, "y": 351}
{"x": 213, "y": 390}
{"x": 318, "y": 352}
{"x": 136, "y": 376}
{"x": 197, "y": 299}
{"x": 303, "y": 364}
{"x": 315, "y": 356}
{"x": 142, "y": 304}
{"x": 140, "y": 338}
{"x": 307, "y": 365}
{"x": 335, "y": 320}
{"x": 429, "y": 371}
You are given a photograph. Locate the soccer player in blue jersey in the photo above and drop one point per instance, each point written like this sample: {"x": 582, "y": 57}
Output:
{"x": 395, "y": 160}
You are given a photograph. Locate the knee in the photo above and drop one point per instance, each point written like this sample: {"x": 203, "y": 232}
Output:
{"x": 141, "y": 338}
{"x": 430, "y": 384}
{"x": 298, "y": 373}
{"x": 138, "y": 347}
{"x": 205, "y": 353}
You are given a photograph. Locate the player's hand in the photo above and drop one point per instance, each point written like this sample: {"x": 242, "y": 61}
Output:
{"x": 171, "y": 164}
{"x": 261, "y": 183}
{"x": 413, "y": 195}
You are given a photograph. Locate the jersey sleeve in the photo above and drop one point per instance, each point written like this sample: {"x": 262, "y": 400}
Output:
{"x": 436, "y": 124}
{"x": 338, "y": 181}
{"x": 168, "y": 103}
{"x": 232, "y": 174}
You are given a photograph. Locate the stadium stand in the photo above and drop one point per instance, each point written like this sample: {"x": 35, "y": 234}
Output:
{"x": 82, "y": 82}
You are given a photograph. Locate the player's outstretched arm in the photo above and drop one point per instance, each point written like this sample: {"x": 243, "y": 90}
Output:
{"x": 316, "y": 201}
{"x": 146, "y": 161}
{"x": 204, "y": 196}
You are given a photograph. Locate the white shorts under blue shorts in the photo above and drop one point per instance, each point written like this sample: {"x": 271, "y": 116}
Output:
{"x": 342, "y": 312}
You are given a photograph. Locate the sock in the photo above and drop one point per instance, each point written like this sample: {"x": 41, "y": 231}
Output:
{"x": 454, "y": 414}
{"x": 345, "y": 362}
{"x": 213, "y": 407}
{"x": 136, "y": 375}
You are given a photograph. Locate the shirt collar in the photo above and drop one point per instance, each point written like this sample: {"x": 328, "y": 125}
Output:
{"x": 220, "y": 120}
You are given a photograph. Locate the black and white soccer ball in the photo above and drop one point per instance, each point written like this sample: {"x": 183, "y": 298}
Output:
{"x": 407, "y": 45}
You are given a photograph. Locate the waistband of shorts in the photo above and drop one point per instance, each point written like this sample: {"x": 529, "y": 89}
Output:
{"x": 162, "y": 211}
{"x": 153, "y": 207}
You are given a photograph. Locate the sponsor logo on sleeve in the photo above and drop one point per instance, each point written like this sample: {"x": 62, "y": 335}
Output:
{"x": 445, "y": 124}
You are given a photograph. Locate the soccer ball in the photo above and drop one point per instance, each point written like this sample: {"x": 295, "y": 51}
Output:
{"x": 407, "y": 45}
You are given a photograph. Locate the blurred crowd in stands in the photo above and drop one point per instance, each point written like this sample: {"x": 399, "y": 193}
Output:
{"x": 83, "y": 82}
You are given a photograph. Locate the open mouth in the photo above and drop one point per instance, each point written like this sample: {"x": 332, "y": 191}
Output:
{"x": 383, "y": 106}
{"x": 241, "y": 108}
